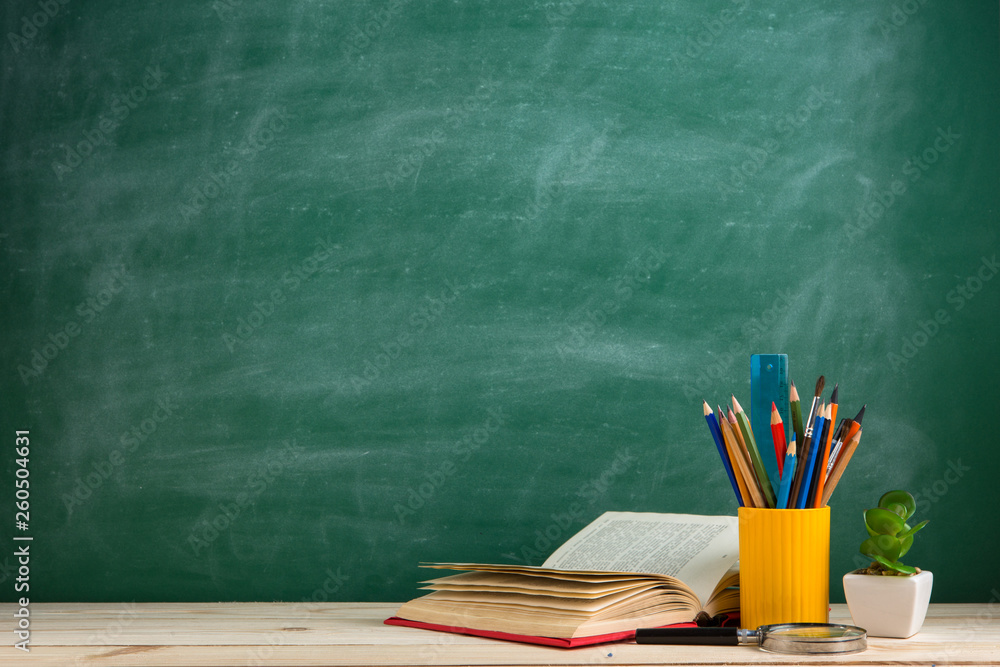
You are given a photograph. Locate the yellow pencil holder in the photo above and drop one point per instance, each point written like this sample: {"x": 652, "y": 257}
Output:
{"x": 784, "y": 566}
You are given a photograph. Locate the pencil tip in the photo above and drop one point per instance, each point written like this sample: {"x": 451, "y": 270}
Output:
{"x": 833, "y": 396}
{"x": 861, "y": 414}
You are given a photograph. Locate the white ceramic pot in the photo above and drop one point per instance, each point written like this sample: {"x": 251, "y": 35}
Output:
{"x": 888, "y": 606}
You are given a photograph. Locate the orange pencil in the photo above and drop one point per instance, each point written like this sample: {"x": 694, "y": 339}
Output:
{"x": 732, "y": 449}
{"x": 852, "y": 426}
{"x": 778, "y": 435}
{"x": 838, "y": 469}
{"x": 736, "y": 428}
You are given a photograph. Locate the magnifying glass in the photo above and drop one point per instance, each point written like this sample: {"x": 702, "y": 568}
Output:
{"x": 800, "y": 638}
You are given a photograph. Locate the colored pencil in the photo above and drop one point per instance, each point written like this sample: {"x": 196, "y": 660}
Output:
{"x": 733, "y": 450}
{"x": 795, "y": 406}
{"x": 852, "y": 426}
{"x": 806, "y": 442}
{"x": 803, "y": 494}
{"x": 713, "y": 426}
{"x": 750, "y": 476}
{"x": 786, "y": 478}
{"x": 823, "y": 455}
{"x": 752, "y": 496}
{"x": 758, "y": 462}
{"x": 838, "y": 469}
{"x": 815, "y": 448}
{"x": 778, "y": 436}
{"x": 731, "y": 416}
{"x": 741, "y": 446}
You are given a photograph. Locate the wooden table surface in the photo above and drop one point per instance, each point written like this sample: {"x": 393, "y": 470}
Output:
{"x": 353, "y": 634}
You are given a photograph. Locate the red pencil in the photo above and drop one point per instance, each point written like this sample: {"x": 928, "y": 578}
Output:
{"x": 778, "y": 434}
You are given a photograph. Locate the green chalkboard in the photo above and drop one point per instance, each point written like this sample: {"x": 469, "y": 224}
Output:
{"x": 297, "y": 295}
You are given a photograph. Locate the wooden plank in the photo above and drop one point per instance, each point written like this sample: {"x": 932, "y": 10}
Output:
{"x": 345, "y": 634}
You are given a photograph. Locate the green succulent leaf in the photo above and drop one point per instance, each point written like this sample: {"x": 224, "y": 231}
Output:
{"x": 910, "y": 532}
{"x": 881, "y": 521}
{"x": 906, "y": 543}
{"x": 868, "y": 547}
{"x": 889, "y": 546}
{"x": 896, "y": 566}
{"x": 899, "y": 502}
{"x": 890, "y": 536}
{"x": 886, "y": 563}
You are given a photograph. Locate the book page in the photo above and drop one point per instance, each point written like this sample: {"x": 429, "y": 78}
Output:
{"x": 698, "y": 550}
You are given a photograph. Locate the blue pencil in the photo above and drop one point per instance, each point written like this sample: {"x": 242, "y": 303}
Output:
{"x": 788, "y": 468}
{"x": 814, "y": 448}
{"x": 713, "y": 426}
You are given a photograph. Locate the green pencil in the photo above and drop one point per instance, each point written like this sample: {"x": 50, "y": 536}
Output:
{"x": 796, "y": 407}
{"x": 758, "y": 463}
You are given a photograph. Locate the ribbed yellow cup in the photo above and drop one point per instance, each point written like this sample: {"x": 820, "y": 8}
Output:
{"x": 784, "y": 566}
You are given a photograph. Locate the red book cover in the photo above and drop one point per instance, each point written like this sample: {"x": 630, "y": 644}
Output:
{"x": 559, "y": 642}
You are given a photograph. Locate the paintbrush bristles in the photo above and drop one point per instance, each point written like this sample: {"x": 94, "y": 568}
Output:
{"x": 820, "y": 383}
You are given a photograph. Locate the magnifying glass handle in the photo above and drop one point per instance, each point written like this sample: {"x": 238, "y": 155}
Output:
{"x": 699, "y": 636}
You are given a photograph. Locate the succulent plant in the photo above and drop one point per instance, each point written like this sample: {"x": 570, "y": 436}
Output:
{"x": 890, "y": 537}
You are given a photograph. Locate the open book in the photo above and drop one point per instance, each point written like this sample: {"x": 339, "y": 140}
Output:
{"x": 623, "y": 571}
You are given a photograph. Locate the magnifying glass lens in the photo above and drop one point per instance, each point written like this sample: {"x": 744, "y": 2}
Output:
{"x": 806, "y": 638}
